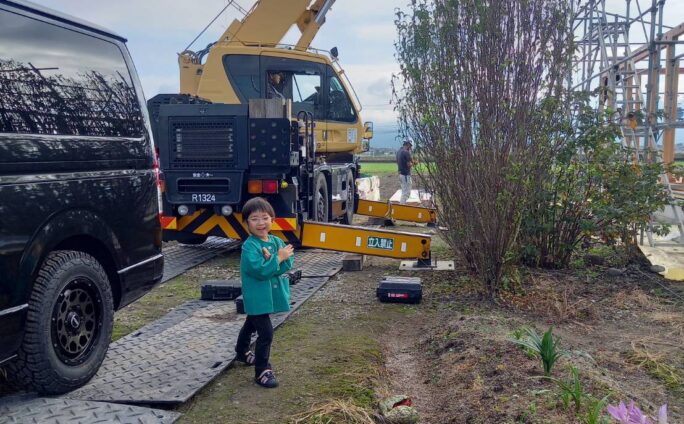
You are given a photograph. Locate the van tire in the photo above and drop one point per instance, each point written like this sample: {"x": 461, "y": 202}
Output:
{"x": 321, "y": 212}
{"x": 68, "y": 324}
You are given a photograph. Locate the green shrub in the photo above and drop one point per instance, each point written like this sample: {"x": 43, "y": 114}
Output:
{"x": 545, "y": 347}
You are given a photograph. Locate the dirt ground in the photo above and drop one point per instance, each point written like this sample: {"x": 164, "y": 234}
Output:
{"x": 452, "y": 354}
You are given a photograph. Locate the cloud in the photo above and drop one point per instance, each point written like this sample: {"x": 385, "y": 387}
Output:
{"x": 163, "y": 17}
{"x": 384, "y": 33}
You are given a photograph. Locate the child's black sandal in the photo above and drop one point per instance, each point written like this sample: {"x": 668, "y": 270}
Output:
{"x": 248, "y": 358}
{"x": 267, "y": 379}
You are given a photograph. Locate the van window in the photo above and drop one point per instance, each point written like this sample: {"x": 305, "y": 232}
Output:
{"x": 55, "y": 80}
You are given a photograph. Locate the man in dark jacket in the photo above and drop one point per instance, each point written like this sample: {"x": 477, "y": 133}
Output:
{"x": 404, "y": 163}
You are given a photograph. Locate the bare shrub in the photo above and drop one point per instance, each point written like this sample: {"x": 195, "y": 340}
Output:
{"x": 480, "y": 91}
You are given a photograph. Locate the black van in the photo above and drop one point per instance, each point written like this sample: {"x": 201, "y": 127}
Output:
{"x": 79, "y": 204}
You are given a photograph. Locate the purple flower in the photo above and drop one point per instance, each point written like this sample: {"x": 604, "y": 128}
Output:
{"x": 662, "y": 414}
{"x": 620, "y": 412}
{"x": 633, "y": 415}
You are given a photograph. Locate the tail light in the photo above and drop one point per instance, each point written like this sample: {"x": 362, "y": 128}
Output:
{"x": 262, "y": 186}
{"x": 270, "y": 186}
{"x": 254, "y": 187}
{"x": 159, "y": 182}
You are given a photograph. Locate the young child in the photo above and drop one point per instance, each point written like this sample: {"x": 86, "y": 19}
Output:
{"x": 265, "y": 291}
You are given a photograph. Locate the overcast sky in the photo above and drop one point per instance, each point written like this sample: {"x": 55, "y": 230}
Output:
{"x": 363, "y": 31}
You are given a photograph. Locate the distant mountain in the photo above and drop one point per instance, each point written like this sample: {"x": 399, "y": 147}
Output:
{"x": 385, "y": 136}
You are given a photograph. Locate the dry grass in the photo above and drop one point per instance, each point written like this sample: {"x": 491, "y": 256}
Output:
{"x": 555, "y": 301}
{"x": 334, "y": 411}
{"x": 655, "y": 364}
{"x": 567, "y": 306}
{"x": 635, "y": 298}
{"x": 672, "y": 319}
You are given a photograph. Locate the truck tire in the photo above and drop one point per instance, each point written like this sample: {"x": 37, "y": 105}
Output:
{"x": 68, "y": 324}
{"x": 321, "y": 204}
{"x": 348, "y": 217}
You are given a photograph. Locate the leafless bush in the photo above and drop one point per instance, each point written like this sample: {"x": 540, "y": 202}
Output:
{"x": 479, "y": 91}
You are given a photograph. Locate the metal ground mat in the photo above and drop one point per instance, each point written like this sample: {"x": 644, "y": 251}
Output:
{"x": 179, "y": 258}
{"x": 26, "y": 409}
{"x": 169, "y": 360}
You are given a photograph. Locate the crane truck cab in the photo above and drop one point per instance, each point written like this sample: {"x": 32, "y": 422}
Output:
{"x": 257, "y": 118}
{"x": 216, "y": 152}
{"x": 313, "y": 81}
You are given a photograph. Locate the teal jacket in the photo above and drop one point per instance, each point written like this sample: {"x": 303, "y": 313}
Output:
{"x": 264, "y": 289}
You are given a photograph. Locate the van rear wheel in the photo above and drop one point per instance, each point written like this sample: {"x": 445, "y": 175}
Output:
{"x": 68, "y": 324}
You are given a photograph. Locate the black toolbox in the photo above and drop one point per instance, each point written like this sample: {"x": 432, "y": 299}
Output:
{"x": 240, "y": 305}
{"x": 400, "y": 290}
{"x": 221, "y": 289}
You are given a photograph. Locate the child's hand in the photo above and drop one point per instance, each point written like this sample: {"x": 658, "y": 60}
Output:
{"x": 285, "y": 253}
{"x": 267, "y": 254}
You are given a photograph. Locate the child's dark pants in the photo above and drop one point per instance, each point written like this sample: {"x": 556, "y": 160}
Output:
{"x": 264, "y": 329}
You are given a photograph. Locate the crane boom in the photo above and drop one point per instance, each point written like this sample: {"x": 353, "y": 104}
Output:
{"x": 269, "y": 21}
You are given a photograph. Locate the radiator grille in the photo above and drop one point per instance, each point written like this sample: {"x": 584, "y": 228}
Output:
{"x": 202, "y": 145}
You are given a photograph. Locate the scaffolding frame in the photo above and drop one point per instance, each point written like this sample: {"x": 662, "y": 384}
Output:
{"x": 627, "y": 76}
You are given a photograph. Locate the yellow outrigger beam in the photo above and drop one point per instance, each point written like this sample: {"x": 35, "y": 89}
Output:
{"x": 397, "y": 211}
{"x": 328, "y": 236}
{"x": 368, "y": 241}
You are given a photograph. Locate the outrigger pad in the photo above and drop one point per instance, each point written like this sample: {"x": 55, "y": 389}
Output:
{"x": 433, "y": 266}
{"x": 352, "y": 262}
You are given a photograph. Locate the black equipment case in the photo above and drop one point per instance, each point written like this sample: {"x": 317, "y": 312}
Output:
{"x": 221, "y": 289}
{"x": 400, "y": 290}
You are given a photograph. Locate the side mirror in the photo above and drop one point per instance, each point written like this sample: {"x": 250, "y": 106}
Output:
{"x": 334, "y": 52}
{"x": 368, "y": 130}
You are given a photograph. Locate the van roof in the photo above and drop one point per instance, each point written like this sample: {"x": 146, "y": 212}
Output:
{"x": 59, "y": 16}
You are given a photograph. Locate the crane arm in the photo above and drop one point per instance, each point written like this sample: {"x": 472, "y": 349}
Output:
{"x": 269, "y": 21}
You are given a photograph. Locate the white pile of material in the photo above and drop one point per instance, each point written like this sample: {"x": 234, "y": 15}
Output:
{"x": 417, "y": 198}
{"x": 368, "y": 188}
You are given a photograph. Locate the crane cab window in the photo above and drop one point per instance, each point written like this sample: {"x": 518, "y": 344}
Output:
{"x": 303, "y": 88}
{"x": 339, "y": 105}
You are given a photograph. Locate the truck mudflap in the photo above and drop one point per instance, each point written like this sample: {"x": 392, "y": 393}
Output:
{"x": 397, "y": 211}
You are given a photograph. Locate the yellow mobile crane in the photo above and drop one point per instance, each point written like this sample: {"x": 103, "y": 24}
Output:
{"x": 255, "y": 117}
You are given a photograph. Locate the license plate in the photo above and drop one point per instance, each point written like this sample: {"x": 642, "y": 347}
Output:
{"x": 203, "y": 198}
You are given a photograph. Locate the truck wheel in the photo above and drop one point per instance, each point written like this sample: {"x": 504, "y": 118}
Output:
{"x": 321, "y": 199}
{"x": 68, "y": 324}
{"x": 348, "y": 217}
